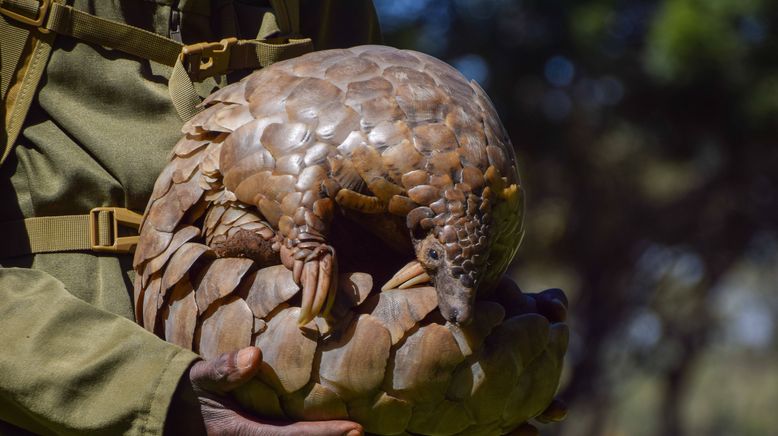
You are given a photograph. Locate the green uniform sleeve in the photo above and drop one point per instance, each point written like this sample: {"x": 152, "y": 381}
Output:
{"x": 68, "y": 367}
{"x": 72, "y": 361}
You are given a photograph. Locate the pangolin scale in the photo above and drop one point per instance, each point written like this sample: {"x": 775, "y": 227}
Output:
{"x": 237, "y": 246}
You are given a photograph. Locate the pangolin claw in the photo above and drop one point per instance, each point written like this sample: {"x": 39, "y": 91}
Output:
{"x": 318, "y": 280}
{"x": 326, "y": 274}
{"x": 411, "y": 274}
{"x": 297, "y": 270}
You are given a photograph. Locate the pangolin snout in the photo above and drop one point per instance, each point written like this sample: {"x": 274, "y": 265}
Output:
{"x": 455, "y": 300}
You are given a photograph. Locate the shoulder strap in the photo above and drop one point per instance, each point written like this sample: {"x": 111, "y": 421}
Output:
{"x": 44, "y": 18}
{"x": 101, "y": 230}
{"x": 28, "y": 28}
{"x": 24, "y": 52}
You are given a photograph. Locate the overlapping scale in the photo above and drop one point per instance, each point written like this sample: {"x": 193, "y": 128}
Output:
{"x": 399, "y": 312}
{"x": 225, "y": 328}
{"x": 382, "y": 132}
{"x": 351, "y": 69}
{"x": 354, "y": 366}
{"x": 220, "y": 279}
{"x": 180, "y": 315}
{"x": 422, "y": 365}
{"x": 288, "y": 352}
{"x": 230, "y": 94}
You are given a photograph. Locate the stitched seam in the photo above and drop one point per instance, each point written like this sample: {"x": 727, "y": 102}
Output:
{"x": 25, "y": 88}
{"x": 154, "y": 395}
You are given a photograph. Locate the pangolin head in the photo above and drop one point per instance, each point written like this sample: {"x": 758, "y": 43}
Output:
{"x": 456, "y": 288}
{"x": 465, "y": 242}
{"x": 466, "y": 219}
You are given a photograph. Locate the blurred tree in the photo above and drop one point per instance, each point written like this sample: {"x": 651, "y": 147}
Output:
{"x": 646, "y": 137}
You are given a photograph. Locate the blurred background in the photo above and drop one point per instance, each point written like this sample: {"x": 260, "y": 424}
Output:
{"x": 647, "y": 143}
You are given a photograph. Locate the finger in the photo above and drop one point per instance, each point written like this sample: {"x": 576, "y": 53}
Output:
{"x": 553, "y": 310}
{"x": 555, "y": 294}
{"x": 310, "y": 276}
{"x": 323, "y": 285}
{"x": 552, "y": 304}
{"x": 311, "y": 428}
{"x": 227, "y": 371}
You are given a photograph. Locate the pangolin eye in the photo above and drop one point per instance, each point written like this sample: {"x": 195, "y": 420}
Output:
{"x": 433, "y": 254}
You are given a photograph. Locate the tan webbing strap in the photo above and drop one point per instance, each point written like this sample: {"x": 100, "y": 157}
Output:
{"x": 97, "y": 231}
{"x": 24, "y": 52}
{"x": 66, "y": 20}
{"x": 190, "y": 63}
{"x": 30, "y": 12}
{"x": 207, "y": 59}
{"x": 47, "y": 234}
{"x": 211, "y": 59}
{"x": 269, "y": 26}
{"x": 11, "y": 49}
{"x": 182, "y": 92}
{"x": 22, "y": 70}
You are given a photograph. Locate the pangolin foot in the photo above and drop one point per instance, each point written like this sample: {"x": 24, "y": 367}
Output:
{"x": 315, "y": 269}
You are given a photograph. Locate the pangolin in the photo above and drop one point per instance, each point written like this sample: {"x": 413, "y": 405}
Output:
{"x": 396, "y": 140}
{"x": 360, "y": 149}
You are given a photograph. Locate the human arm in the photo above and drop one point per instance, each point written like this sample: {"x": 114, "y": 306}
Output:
{"x": 66, "y": 364}
{"x": 113, "y": 377}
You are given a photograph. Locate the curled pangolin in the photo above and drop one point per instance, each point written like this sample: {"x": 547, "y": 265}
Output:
{"x": 369, "y": 150}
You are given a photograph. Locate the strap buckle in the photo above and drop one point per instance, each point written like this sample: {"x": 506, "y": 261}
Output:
{"x": 207, "y": 59}
{"x": 104, "y": 234}
{"x": 42, "y": 7}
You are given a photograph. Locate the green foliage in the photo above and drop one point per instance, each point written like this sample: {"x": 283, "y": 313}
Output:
{"x": 691, "y": 38}
{"x": 591, "y": 23}
{"x": 762, "y": 101}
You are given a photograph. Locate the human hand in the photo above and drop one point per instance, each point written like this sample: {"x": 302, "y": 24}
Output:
{"x": 203, "y": 393}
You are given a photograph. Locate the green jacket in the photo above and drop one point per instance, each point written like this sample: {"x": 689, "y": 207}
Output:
{"x": 98, "y": 133}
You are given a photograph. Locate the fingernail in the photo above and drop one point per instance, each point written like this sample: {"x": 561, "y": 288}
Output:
{"x": 246, "y": 357}
{"x": 354, "y": 432}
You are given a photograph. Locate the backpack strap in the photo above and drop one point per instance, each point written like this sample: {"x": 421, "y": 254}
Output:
{"x": 195, "y": 62}
{"x": 101, "y": 230}
{"x": 29, "y": 27}
{"x": 23, "y": 57}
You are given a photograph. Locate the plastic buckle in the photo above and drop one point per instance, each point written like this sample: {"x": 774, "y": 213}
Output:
{"x": 119, "y": 215}
{"x": 38, "y": 21}
{"x": 207, "y": 59}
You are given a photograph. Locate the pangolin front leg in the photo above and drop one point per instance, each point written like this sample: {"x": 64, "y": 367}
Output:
{"x": 305, "y": 250}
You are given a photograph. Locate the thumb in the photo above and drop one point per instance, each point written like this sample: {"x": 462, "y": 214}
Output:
{"x": 226, "y": 372}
